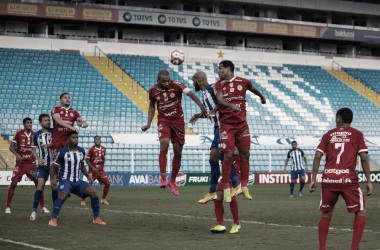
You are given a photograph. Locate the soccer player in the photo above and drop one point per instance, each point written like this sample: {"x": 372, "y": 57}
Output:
{"x": 210, "y": 105}
{"x": 218, "y": 204}
{"x": 71, "y": 160}
{"x": 95, "y": 159}
{"x": 341, "y": 147}
{"x": 63, "y": 122}
{"x": 42, "y": 140}
{"x": 296, "y": 155}
{"x": 231, "y": 93}
{"x": 25, "y": 162}
{"x": 171, "y": 124}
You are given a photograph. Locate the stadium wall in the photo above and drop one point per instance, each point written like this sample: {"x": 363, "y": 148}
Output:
{"x": 88, "y": 47}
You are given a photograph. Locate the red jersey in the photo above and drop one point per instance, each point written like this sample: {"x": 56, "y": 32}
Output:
{"x": 233, "y": 92}
{"x": 24, "y": 146}
{"x": 168, "y": 101}
{"x": 341, "y": 146}
{"x": 97, "y": 156}
{"x": 69, "y": 116}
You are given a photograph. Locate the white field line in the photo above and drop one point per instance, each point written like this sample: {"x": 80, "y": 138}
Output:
{"x": 242, "y": 221}
{"x": 26, "y": 244}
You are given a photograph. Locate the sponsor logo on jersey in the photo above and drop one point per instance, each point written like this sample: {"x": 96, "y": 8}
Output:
{"x": 245, "y": 133}
{"x": 160, "y": 127}
{"x": 171, "y": 113}
{"x": 224, "y": 135}
{"x": 15, "y": 169}
{"x": 62, "y": 186}
{"x": 337, "y": 171}
{"x": 232, "y": 89}
{"x": 71, "y": 114}
{"x": 327, "y": 180}
{"x": 235, "y": 98}
{"x": 180, "y": 180}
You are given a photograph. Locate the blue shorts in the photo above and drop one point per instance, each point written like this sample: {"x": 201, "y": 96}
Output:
{"x": 294, "y": 174}
{"x": 216, "y": 142}
{"x": 76, "y": 188}
{"x": 43, "y": 172}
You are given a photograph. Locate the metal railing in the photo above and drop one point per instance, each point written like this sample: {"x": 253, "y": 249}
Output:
{"x": 5, "y": 161}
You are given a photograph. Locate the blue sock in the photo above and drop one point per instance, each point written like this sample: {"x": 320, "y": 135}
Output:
{"x": 57, "y": 208}
{"x": 215, "y": 173}
{"x": 234, "y": 177}
{"x": 221, "y": 156}
{"x": 291, "y": 188}
{"x": 95, "y": 207}
{"x": 37, "y": 197}
{"x": 54, "y": 195}
{"x": 302, "y": 185}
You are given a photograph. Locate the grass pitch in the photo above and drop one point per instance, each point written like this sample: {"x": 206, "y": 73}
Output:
{"x": 150, "y": 218}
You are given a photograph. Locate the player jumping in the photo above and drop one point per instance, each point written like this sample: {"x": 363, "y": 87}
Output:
{"x": 70, "y": 159}
{"x": 171, "y": 124}
{"x": 42, "y": 140}
{"x": 210, "y": 104}
{"x": 231, "y": 95}
{"x": 95, "y": 159}
{"x": 25, "y": 162}
{"x": 341, "y": 146}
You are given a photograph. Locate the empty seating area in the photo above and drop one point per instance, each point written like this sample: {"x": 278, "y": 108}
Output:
{"x": 369, "y": 77}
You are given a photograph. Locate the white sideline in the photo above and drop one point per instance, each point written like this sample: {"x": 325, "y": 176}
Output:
{"x": 25, "y": 244}
{"x": 243, "y": 221}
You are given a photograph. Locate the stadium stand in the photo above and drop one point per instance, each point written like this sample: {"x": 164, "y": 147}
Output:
{"x": 368, "y": 77}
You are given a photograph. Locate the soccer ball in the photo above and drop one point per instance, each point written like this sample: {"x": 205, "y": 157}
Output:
{"x": 177, "y": 57}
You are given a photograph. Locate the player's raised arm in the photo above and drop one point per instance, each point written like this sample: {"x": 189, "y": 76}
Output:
{"x": 316, "y": 164}
{"x": 195, "y": 98}
{"x": 365, "y": 166}
{"x": 82, "y": 123}
{"x": 62, "y": 123}
{"x": 221, "y": 101}
{"x": 258, "y": 93}
{"x": 151, "y": 112}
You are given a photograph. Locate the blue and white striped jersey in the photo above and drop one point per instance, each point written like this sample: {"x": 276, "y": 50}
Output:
{"x": 70, "y": 163}
{"x": 40, "y": 138}
{"x": 296, "y": 157}
{"x": 210, "y": 101}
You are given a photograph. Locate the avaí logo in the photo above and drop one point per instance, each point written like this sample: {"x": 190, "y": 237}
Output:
{"x": 127, "y": 16}
{"x": 196, "y": 21}
{"x": 162, "y": 19}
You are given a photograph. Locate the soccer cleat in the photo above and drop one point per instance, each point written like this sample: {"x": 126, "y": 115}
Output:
{"x": 235, "y": 228}
{"x": 53, "y": 222}
{"x": 300, "y": 193}
{"x": 7, "y": 210}
{"x": 218, "y": 229}
{"x": 235, "y": 191}
{"x": 246, "y": 194}
{"x": 104, "y": 201}
{"x": 173, "y": 186}
{"x": 163, "y": 184}
{"x": 44, "y": 209}
{"x": 207, "y": 198}
{"x": 99, "y": 221}
{"x": 83, "y": 202}
{"x": 240, "y": 192}
{"x": 291, "y": 196}
{"x": 227, "y": 195}
{"x": 33, "y": 216}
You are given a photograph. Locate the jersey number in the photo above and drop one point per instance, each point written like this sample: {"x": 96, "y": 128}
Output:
{"x": 341, "y": 146}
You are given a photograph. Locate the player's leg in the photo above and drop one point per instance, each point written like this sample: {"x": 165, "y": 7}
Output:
{"x": 215, "y": 173}
{"x": 32, "y": 175}
{"x": 17, "y": 174}
{"x": 42, "y": 176}
{"x": 164, "y": 146}
{"x": 302, "y": 180}
{"x": 64, "y": 190}
{"x": 293, "y": 179}
{"x": 235, "y": 215}
{"x": 243, "y": 143}
{"x": 227, "y": 145}
{"x": 219, "y": 210}
{"x": 235, "y": 187}
{"x": 176, "y": 165}
{"x": 94, "y": 176}
{"x": 103, "y": 180}
{"x": 327, "y": 204}
{"x": 355, "y": 204}
{"x": 86, "y": 190}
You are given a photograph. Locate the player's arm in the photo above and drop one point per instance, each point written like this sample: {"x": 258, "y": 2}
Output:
{"x": 82, "y": 123}
{"x": 91, "y": 166}
{"x": 84, "y": 171}
{"x": 151, "y": 112}
{"x": 365, "y": 165}
{"x": 35, "y": 155}
{"x": 307, "y": 167}
{"x": 195, "y": 98}
{"x": 286, "y": 164}
{"x": 316, "y": 164}
{"x": 12, "y": 149}
{"x": 258, "y": 93}
{"x": 62, "y": 123}
{"x": 221, "y": 101}
{"x": 53, "y": 181}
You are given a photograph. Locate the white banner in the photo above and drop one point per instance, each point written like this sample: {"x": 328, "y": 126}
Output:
{"x": 6, "y": 176}
{"x": 198, "y": 140}
{"x": 173, "y": 20}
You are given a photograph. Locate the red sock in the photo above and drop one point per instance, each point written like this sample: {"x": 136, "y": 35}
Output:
{"x": 323, "y": 230}
{"x": 235, "y": 211}
{"x": 244, "y": 168}
{"x": 359, "y": 224}
{"x": 162, "y": 159}
{"x": 105, "y": 192}
{"x": 83, "y": 199}
{"x": 176, "y": 165}
{"x": 219, "y": 211}
{"x": 42, "y": 200}
{"x": 11, "y": 192}
{"x": 226, "y": 172}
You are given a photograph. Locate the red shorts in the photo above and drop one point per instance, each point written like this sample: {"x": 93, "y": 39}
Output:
{"x": 234, "y": 134}
{"x": 173, "y": 130}
{"x": 101, "y": 176}
{"x": 58, "y": 145}
{"x": 354, "y": 200}
{"x": 30, "y": 171}
{"x": 221, "y": 185}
